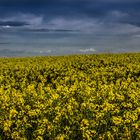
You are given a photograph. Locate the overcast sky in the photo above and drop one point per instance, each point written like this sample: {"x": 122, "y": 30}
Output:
{"x": 98, "y": 17}
{"x": 87, "y": 15}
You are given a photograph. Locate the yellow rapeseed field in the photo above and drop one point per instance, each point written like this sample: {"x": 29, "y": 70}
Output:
{"x": 77, "y": 97}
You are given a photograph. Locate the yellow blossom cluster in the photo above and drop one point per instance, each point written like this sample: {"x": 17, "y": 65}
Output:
{"x": 77, "y": 97}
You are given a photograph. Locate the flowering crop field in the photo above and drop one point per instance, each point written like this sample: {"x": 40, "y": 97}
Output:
{"x": 79, "y": 97}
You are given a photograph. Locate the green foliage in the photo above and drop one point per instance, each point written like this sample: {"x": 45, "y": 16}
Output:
{"x": 70, "y": 97}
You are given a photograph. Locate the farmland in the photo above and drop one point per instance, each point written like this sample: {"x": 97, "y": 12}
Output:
{"x": 70, "y": 97}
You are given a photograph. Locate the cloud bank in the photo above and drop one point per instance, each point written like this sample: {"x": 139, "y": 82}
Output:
{"x": 68, "y": 15}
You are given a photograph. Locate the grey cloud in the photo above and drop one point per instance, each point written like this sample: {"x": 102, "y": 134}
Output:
{"x": 21, "y": 20}
{"x": 41, "y": 30}
{"x": 14, "y": 53}
{"x": 133, "y": 23}
{"x": 74, "y": 15}
{"x": 13, "y": 23}
{"x": 9, "y": 53}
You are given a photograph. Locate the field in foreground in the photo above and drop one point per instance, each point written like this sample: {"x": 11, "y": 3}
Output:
{"x": 70, "y": 97}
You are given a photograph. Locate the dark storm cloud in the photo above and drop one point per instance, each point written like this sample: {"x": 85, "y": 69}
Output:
{"x": 66, "y": 12}
{"x": 48, "y": 7}
{"x": 68, "y": 8}
{"x": 135, "y": 23}
{"x": 91, "y": 8}
{"x": 49, "y": 30}
{"x": 13, "y": 23}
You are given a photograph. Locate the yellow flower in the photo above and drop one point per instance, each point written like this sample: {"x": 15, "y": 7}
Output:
{"x": 117, "y": 120}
